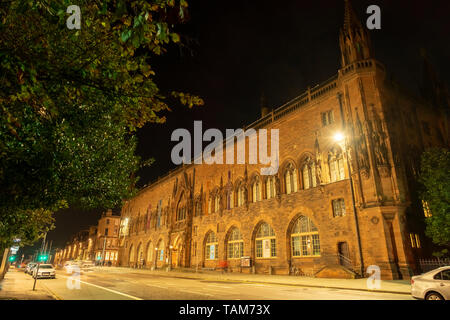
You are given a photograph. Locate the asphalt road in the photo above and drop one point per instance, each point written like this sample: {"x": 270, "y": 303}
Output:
{"x": 137, "y": 286}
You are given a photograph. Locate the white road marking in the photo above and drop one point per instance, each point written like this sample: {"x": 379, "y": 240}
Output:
{"x": 213, "y": 285}
{"x": 188, "y": 291}
{"x": 110, "y": 290}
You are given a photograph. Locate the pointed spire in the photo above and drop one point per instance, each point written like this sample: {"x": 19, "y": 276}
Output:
{"x": 350, "y": 17}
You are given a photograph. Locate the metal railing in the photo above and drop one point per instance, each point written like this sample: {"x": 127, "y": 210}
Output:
{"x": 430, "y": 264}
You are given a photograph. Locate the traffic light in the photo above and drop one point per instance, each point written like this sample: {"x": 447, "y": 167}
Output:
{"x": 12, "y": 258}
{"x": 42, "y": 257}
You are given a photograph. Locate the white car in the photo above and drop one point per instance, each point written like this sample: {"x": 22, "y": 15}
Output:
{"x": 29, "y": 268}
{"x": 433, "y": 285}
{"x": 44, "y": 271}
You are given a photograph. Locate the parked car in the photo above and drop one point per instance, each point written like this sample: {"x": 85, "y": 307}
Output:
{"x": 433, "y": 285}
{"x": 29, "y": 267}
{"x": 45, "y": 271}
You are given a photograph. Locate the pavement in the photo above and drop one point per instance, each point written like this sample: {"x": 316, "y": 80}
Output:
{"x": 19, "y": 286}
{"x": 113, "y": 283}
{"x": 385, "y": 286}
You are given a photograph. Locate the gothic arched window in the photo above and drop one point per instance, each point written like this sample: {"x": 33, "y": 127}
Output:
{"x": 265, "y": 242}
{"x": 309, "y": 178}
{"x": 270, "y": 187}
{"x": 256, "y": 190}
{"x": 305, "y": 238}
{"x": 336, "y": 165}
{"x": 290, "y": 179}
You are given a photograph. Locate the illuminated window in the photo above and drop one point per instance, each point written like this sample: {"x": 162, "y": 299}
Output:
{"x": 256, "y": 189}
{"x": 211, "y": 246}
{"x": 181, "y": 213}
{"x": 417, "y": 240}
{"x": 309, "y": 174}
{"x": 290, "y": 179}
{"x": 305, "y": 238}
{"x": 230, "y": 199}
{"x": 265, "y": 242}
{"x": 160, "y": 251}
{"x": 426, "y": 209}
{"x": 241, "y": 196}
{"x": 235, "y": 244}
{"x": 327, "y": 117}
{"x": 338, "y": 207}
{"x": 336, "y": 165}
{"x": 270, "y": 187}
{"x": 217, "y": 203}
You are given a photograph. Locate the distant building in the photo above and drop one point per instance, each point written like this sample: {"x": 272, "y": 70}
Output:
{"x": 99, "y": 243}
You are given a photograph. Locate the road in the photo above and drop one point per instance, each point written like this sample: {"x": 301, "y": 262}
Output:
{"x": 138, "y": 286}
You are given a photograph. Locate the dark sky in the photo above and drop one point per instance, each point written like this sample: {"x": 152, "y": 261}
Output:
{"x": 235, "y": 50}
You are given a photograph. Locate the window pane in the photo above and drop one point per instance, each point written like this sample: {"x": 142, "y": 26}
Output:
{"x": 305, "y": 177}
{"x": 316, "y": 244}
{"x": 273, "y": 248}
{"x": 296, "y": 246}
{"x": 259, "y": 248}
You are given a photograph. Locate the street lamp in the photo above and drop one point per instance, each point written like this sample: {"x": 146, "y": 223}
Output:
{"x": 170, "y": 258}
{"x": 341, "y": 139}
{"x": 156, "y": 258}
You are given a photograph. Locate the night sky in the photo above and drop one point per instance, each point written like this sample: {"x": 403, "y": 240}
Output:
{"x": 236, "y": 50}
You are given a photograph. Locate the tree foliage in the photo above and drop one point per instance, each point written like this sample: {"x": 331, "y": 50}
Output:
{"x": 435, "y": 178}
{"x": 70, "y": 101}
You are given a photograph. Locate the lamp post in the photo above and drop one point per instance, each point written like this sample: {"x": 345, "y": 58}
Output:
{"x": 170, "y": 258}
{"x": 340, "y": 138}
{"x": 156, "y": 259}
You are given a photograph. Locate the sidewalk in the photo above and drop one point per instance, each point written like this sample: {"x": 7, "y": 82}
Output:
{"x": 19, "y": 286}
{"x": 387, "y": 286}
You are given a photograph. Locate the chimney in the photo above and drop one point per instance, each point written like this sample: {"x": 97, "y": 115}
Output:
{"x": 264, "y": 109}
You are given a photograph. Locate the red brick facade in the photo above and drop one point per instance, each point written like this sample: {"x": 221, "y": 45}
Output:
{"x": 385, "y": 131}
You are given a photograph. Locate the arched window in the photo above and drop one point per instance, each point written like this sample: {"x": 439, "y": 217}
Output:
{"x": 210, "y": 205}
{"x": 140, "y": 253}
{"x": 265, "y": 242}
{"x": 305, "y": 238}
{"x": 336, "y": 164}
{"x": 159, "y": 214}
{"x": 160, "y": 250}
{"x": 217, "y": 203}
{"x": 131, "y": 258}
{"x": 309, "y": 174}
{"x": 230, "y": 199}
{"x": 235, "y": 244}
{"x": 211, "y": 246}
{"x": 181, "y": 213}
{"x": 149, "y": 252}
{"x": 290, "y": 179}
{"x": 198, "y": 208}
{"x": 270, "y": 187}
{"x": 241, "y": 196}
{"x": 256, "y": 189}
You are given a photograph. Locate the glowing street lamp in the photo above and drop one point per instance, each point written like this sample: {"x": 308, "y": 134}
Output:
{"x": 340, "y": 138}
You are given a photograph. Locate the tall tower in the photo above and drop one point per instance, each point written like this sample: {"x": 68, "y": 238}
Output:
{"x": 354, "y": 39}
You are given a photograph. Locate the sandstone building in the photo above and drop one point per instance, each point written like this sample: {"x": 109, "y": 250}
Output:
{"x": 333, "y": 209}
{"x": 99, "y": 243}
